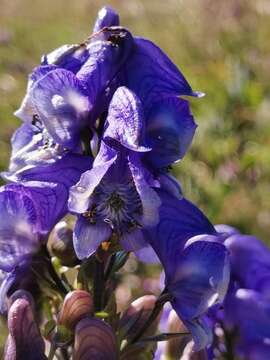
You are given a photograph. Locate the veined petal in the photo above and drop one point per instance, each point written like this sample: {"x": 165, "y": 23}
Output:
{"x": 62, "y": 105}
{"x": 48, "y": 202}
{"x": 18, "y": 228}
{"x": 81, "y": 192}
{"x": 157, "y": 76}
{"x": 106, "y": 17}
{"x": 69, "y": 57}
{"x": 149, "y": 198}
{"x": 87, "y": 237}
{"x": 169, "y": 132}
{"x": 25, "y": 141}
{"x": 66, "y": 170}
{"x": 200, "y": 279}
{"x": 133, "y": 241}
{"x": 179, "y": 221}
{"x": 126, "y": 121}
{"x": 27, "y": 108}
{"x": 105, "y": 61}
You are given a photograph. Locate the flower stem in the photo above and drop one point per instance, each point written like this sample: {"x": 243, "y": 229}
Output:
{"x": 163, "y": 298}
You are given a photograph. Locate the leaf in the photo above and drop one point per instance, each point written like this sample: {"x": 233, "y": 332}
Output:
{"x": 163, "y": 337}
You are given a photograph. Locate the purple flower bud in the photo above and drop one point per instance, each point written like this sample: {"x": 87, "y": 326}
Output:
{"x": 24, "y": 340}
{"x": 137, "y": 314}
{"x": 94, "y": 339}
{"x": 77, "y": 305}
{"x": 21, "y": 294}
{"x": 60, "y": 244}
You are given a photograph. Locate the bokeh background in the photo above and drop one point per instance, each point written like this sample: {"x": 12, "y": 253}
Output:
{"x": 222, "y": 47}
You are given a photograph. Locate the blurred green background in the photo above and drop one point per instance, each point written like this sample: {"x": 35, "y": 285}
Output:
{"x": 223, "y": 49}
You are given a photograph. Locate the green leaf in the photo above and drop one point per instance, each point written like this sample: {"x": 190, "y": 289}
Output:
{"x": 163, "y": 337}
{"x": 48, "y": 328}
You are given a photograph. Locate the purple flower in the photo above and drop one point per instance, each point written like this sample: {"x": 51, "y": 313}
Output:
{"x": 114, "y": 197}
{"x": 30, "y": 207}
{"x": 196, "y": 267}
{"x": 61, "y": 103}
{"x": 250, "y": 262}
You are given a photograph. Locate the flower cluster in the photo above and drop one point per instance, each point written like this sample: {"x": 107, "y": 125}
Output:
{"x": 102, "y": 123}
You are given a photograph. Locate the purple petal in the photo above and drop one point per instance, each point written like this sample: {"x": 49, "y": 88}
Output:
{"x": 133, "y": 241}
{"x": 149, "y": 198}
{"x": 170, "y": 130}
{"x": 170, "y": 184}
{"x": 125, "y": 120}
{"x": 81, "y": 192}
{"x": 70, "y": 165}
{"x": 179, "y": 221}
{"x": 6, "y": 283}
{"x": 18, "y": 228}
{"x": 27, "y": 108}
{"x": 147, "y": 255}
{"x": 158, "y": 75}
{"x": 87, "y": 236}
{"x": 48, "y": 187}
{"x": 105, "y": 60}
{"x": 250, "y": 261}
{"x": 226, "y": 229}
{"x": 68, "y": 57}
{"x": 106, "y": 17}
{"x": 200, "y": 280}
{"x": 47, "y": 202}
{"x": 62, "y": 105}
{"x": 25, "y": 141}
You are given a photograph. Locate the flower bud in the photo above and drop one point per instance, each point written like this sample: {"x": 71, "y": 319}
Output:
{"x": 137, "y": 314}
{"x": 174, "y": 347}
{"x": 21, "y": 294}
{"x": 24, "y": 340}
{"x": 60, "y": 244}
{"x": 94, "y": 339}
{"x": 77, "y": 305}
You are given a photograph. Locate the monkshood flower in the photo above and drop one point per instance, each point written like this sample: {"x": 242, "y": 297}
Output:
{"x": 29, "y": 209}
{"x": 245, "y": 318}
{"x": 24, "y": 340}
{"x": 247, "y": 314}
{"x": 116, "y": 197}
{"x": 59, "y": 104}
{"x": 196, "y": 266}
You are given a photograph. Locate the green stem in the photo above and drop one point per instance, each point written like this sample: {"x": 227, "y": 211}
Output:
{"x": 99, "y": 284}
{"x": 163, "y": 298}
{"x": 52, "y": 352}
